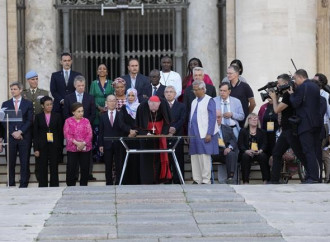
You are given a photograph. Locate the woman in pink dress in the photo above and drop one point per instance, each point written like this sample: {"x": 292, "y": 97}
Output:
{"x": 78, "y": 135}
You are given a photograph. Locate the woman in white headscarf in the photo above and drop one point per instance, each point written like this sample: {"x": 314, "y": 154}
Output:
{"x": 127, "y": 124}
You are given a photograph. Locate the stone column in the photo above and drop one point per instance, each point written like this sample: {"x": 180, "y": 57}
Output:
{"x": 269, "y": 33}
{"x": 3, "y": 53}
{"x": 11, "y": 41}
{"x": 203, "y": 36}
{"x": 41, "y": 40}
{"x": 230, "y": 31}
{"x": 323, "y": 34}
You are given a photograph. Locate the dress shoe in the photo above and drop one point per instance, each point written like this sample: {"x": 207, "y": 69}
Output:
{"x": 194, "y": 182}
{"x": 91, "y": 178}
{"x": 230, "y": 180}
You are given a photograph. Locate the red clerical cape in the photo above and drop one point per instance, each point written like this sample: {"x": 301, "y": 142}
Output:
{"x": 165, "y": 172}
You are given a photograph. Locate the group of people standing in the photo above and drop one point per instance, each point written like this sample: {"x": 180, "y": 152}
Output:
{"x": 220, "y": 128}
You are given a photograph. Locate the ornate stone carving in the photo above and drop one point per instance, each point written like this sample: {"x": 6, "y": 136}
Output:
{"x": 114, "y": 2}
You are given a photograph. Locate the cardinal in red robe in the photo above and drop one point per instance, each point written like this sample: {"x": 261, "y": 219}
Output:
{"x": 153, "y": 117}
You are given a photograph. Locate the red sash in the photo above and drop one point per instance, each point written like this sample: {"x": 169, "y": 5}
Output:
{"x": 165, "y": 173}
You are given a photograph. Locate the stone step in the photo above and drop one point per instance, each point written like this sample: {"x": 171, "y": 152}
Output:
{"x": 160, "y": 213}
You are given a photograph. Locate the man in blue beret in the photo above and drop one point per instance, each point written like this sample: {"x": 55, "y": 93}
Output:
{"x": 34, "y": 94}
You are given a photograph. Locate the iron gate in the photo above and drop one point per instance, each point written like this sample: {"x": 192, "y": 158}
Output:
{"x": 121, "y": 34}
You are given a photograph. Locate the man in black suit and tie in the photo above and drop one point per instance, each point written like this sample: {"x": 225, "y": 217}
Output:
{"x": 306, "y": 101}
{"x": 155, "y": 88}
{"x": 228, "y": 153}
{"x": 109, "y": 127}
{"x": 79, "y": 95}
{"x": 20, "y": 134}
{"x": 135, "y": 79}
{"x": 189, "y": 96}
{"x": 61, "y": 84}
{"x": 178, "y": 113}
{"x": 89, "y": 108}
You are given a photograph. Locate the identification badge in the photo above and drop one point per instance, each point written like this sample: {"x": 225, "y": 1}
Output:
{"x": 270, "y": 126}
{"x": 221, "y": 143}
{"x": 50, "y": 137}
{"x": 254, "y": 146}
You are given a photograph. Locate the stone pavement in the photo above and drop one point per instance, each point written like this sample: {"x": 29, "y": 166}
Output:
{"x": 167, "y": 213}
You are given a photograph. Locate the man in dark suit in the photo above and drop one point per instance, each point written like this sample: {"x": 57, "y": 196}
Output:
{"x": 79, "y": 95}
{"x": 61, "y": 82}
{"x": 178, "y": 113}
{"x": 228, "y": 153}
{"x": 109, "y": 127}
{"x": 134, "y": 79}
{"x": 20, "y": 134}
{"x": 155, "y": 88}
{"x": 306, "y": 101}
{"x": 189, "y": 96}
{"x": 89, "y": 108}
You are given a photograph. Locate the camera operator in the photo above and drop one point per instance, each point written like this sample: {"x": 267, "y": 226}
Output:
{"x": 326, "y": 141}
{"x": 306, "y": 101}
{"x": 286, "y": 139}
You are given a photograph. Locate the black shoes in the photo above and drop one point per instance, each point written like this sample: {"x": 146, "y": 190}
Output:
{"x": 91, "y": 178}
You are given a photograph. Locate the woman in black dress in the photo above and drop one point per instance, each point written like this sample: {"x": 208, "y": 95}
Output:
{"x": 48, "y": 132}
{"x": 127, "y": 116}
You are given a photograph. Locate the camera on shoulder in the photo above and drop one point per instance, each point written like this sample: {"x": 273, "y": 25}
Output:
{"x": 272, "y": 86}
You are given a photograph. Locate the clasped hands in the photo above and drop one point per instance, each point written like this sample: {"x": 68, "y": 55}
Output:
{"x": 17, "y": 134}
{"x": 80, "y": 145}
{"x": 253, "y": 152}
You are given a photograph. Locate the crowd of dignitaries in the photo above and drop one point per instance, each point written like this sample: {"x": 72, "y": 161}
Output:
{"x": 222, "y": 129}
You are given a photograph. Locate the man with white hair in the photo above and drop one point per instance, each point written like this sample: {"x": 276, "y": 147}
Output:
{"x": 153, "y": 117}
{"x": 202, "y": 125}
{"x": 198, "y": 75}
{"x": 178, "y": 113}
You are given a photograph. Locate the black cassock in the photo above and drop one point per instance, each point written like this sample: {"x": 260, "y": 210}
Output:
{"x": 149, "y": 162}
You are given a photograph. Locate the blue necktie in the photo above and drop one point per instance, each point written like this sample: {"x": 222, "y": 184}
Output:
{"x": 155, "y": 90}
{"x": 225, "y": 110}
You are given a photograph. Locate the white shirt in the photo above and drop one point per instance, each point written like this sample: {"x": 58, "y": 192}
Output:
{"x": 231, "y": 121}
{"x": 77, "y": 96}
{"x": 19, "y": 101}
{"x": 133, "y": 81}
{"x": 172, "y": 78}
{"x": 152, "y": 91}
{"x": 113, "y": 114}
{"x": 327, "y": 113}
{"x": 69, "y": 71}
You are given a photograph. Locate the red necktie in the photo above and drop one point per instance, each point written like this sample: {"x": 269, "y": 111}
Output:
{"x": 16, "y": 106}
{"x": 111, "y": 118}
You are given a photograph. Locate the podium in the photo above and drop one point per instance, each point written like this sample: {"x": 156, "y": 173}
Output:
{"x": 173, "y": 143}
{"x": 9, "y": 116}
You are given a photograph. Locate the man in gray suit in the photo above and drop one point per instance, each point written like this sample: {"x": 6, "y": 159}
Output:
{"x": 230, "y": 107}
{"x": 228, "y": 153}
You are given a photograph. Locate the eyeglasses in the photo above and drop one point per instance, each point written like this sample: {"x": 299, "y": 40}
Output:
{"x": 195, "y": 90}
